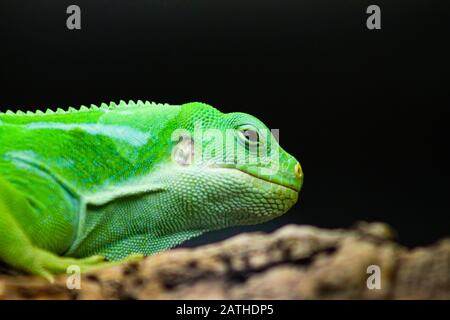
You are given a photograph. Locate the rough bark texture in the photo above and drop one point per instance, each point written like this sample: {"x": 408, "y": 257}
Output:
{"x": 295, "y": 262}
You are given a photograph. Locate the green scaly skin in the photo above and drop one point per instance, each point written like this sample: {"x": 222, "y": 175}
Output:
{"x": 118, "y": 182}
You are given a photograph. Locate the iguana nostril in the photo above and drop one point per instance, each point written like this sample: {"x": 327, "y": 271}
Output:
{"x": 298, "y": 170}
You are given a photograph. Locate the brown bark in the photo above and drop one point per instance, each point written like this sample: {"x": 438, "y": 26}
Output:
{"x": 295, "y": 262}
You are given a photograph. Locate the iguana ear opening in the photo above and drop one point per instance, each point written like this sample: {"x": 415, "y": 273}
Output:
{"x": 183, "y": 152}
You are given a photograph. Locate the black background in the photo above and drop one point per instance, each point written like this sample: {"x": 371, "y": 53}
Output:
{"x": 365, "y": 112}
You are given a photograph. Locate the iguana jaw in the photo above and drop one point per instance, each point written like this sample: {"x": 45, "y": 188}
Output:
{"x": 286, "y": 180}
{"x": 280, "y": 182}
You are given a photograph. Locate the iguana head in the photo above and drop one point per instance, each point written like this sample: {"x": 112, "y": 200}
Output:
{"x": 228, "y": 169}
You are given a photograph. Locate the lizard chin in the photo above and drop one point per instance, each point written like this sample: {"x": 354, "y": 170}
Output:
{"x": 274, "y": 195}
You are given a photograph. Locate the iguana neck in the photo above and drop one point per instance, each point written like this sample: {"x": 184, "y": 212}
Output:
{"x": 143, "y": 223}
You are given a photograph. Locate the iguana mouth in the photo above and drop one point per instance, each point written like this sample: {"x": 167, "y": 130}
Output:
{"x": 273, "y": 181}
{"x": 282, "y": 180}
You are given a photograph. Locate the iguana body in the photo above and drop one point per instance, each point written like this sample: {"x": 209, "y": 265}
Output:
{"x": 132, "y": 178}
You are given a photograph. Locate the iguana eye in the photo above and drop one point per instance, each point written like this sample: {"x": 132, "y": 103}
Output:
{"x": 249, "y": 134}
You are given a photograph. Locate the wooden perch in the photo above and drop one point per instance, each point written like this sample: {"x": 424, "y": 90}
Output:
{"x": 295, "y": 262}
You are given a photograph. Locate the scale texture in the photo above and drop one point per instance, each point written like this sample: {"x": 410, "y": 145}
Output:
{"x": 119, "y": 181}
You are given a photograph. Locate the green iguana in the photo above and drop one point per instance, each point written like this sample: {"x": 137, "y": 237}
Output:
{"x": 80, "y": 187}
